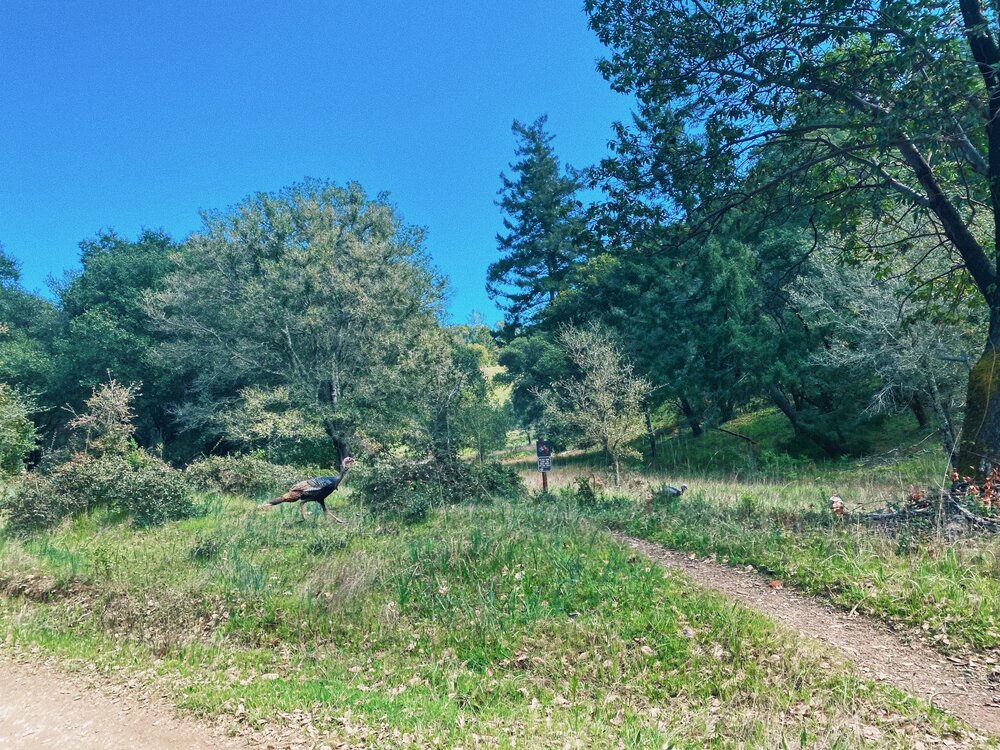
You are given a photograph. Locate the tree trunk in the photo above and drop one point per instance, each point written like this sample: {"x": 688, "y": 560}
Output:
{"x": 690, "y": 416}
{"x": 831, "y": 447}
{"x": 919, "y": 411}
{"x": 651, "y": 434}
{"x": 338, "y": 442}
{"x": 979, "y": 448}
{"x": 618, "y": 472}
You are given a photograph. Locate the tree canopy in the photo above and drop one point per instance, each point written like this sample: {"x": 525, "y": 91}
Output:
{"x": 318, "y": 290}
{"x": 880, "y": 113}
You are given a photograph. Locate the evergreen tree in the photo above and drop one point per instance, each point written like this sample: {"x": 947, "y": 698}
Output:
{"x": 544, "y": 223}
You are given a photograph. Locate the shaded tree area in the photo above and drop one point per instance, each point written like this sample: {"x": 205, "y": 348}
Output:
{"x": 876, "y": 120}
{"x": 104, "y": 328}
{"x": 801, "y": 213}
{"x": 28, "y": 325}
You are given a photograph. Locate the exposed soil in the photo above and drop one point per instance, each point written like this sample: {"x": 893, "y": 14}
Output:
{"x": 41, "y": 707}
{"x": 958, "y": 686}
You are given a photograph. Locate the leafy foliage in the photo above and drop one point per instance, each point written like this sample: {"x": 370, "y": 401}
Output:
{"x": 28, "y": 326}
{"x": 408, "y": 489}
{"x": 111, "y": 473}
{"x": 107, "y": 424}
{"x": 531, "y": 364}
{"x": 137, "y": 486}
{"x": 454, "y": 406}
{"x": 604, "y": 402}
{"x": 318, "y": 290}
{"x": 18, "y": 436}
{"x": 103, "y": 326}
{"x": 912, "y": 358}
{"x": 267, "y": 420}
{"x": 249, "y": 474}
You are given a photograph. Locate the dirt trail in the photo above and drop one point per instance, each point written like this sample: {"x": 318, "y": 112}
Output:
{"x": 959, "y": 687}
{"x": 43, "y": 708}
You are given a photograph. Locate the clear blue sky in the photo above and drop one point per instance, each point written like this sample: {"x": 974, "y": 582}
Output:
{"x": 132, "y": 114}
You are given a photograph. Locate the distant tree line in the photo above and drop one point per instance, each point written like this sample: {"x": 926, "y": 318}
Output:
{"x": 304, "y": 325}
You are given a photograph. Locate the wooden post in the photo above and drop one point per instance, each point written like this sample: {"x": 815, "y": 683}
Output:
{"x": 545, "y": 481}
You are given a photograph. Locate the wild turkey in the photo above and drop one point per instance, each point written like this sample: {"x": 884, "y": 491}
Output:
{"x": 667, "y": 491}
{"x": 837, "y": 505}
{"x": 314, "y": 490}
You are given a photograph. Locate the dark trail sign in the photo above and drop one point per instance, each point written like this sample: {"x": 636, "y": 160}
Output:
{"x": 543, "y": 450}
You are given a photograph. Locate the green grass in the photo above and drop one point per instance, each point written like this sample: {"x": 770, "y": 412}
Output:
{"x": 890, "y": 451}
{"x": 509, "y": 625}
{"x": 947, "y": 590}
{"x": 772, "y": 514}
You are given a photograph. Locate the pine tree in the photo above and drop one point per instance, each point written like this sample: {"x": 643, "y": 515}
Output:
{"x": 544, "y": 223}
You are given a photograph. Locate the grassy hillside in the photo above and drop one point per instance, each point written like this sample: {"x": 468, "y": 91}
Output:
{"x": 753, "y": 504}
{"x": 890, "y": 453}
{"x": 509, "y": 625}
{"x": 946, "y": 589}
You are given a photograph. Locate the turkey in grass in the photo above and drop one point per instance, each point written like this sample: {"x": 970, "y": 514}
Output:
{"x": 314, "y": 490}
{"x": 666, "y": 492}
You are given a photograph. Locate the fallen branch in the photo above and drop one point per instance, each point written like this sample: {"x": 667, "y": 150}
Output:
{"x": 973, "y": 518}
{"x": 946, "y": 504}
{"x": 895, "y": 515}
{"x": 736, "y": 435}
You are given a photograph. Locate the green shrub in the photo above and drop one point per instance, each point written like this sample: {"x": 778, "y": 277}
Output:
{"x": 205, "y": 548}
{"x": 495, "y": 481}
{"x": 33, "y": 504}
{"x": 157, "y": 494}
{"x": 416, "y": 508}
{"x": 17, "y": 432}
{"x": 249, "y": 475}
{"x": 409, "y": 489}
{"x": 137, "y": 486}
{"x": 587, "y": 494}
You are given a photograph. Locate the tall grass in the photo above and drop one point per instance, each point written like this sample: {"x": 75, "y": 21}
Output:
{"x": 946, "y": 588}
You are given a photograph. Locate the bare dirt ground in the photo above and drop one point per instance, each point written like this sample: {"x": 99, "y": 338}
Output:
{"x": 958, "y": 686}
{"x": 41, "y": 707}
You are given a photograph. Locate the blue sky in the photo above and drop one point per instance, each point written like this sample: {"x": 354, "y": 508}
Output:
{"x": 131, "y": 114}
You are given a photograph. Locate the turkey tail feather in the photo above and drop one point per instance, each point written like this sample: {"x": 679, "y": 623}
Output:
{"x": 286, "y": 498}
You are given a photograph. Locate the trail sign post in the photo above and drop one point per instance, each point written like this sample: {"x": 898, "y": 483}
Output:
{"x": 543, "y": 450}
